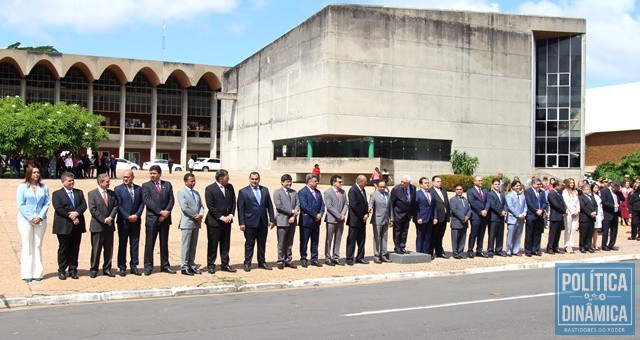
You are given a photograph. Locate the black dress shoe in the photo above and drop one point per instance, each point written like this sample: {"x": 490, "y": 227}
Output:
{"x": 517, "y": 254}
{"x": 93, "y": 274}
{"x": 316, "y": 264}
{"x": 377, "y": 260}
{"x": 614, "y": 248}
{"x": 337, "y": 262}
{"x": 490, "y": 254}
{"x": 135, "y": 271}
{"x": 211, "y": 270}
{"x": 186, "y": 272}
{"x": 470, "y": 254}
{"x": 195, "y": 271}
{"x": 168, "y": 270}
{"x": 384, "y": 259}
{"x": 362, "y": 261}
{"x": 528, "y": 254}
{"x": 108, "y": 273}
{"x": 433, "y": 257}
{"x": 265, "y": 266}
{"x": 73, "y": 275}
{"x": 227, "y": 268}
{"x": 303, "y": 263}
{"x": 280, "y": 265}
{"x": 538, "y": 253}
{"x": 443, "y": 256}
{"x": 62, "y": 276}
{"x": 482, "y": 254}
{"x": 560, "y": 251}
{"x": 502, "y": 254}
{"x": 550, "y": 252}
{"x": 583, "y": 251}
{"x": 247, "y": 268}
{"x": 148, "y": 272}
{"x": 122, "y": 272}
{"x": 349, "y": 262}
{"x": 329, "y": 263}
{"x": 290, "y": 265}
{"x": 606, "y": 249}
{"x": 591, "y": 250}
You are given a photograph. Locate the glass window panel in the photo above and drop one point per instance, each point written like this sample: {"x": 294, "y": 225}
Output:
{"x": 564, "y": 79}
{"x": 552, "y": 56}
{"x": 541, "y": 101}
{"x": 552, "y": 79}
{"x": 575, "y": 161}
{"x": 552, "y": 97}
{"x": 552, "y": 161}
{"x": 563, "y": 96}
{"x": 552, "y": 129}
{"x": 563, "y": 145}
{"x": 552, "y": 145}
{"x": 575, "y": 144}
{"x": 564, "y": 114}
{"x": 552, "y": 114}
{"x": 541, "y": 114}
{"x": 541, "y": 129}
{"x": 563, "y": 128}
{"x": 564, "y": 63}
{"x": 563, "y": 161}
{"x": 540, "y": 161}
{"x": 564, "y": 46}
{"x": 576, "y": 45}
{"x": 540, "y": 145}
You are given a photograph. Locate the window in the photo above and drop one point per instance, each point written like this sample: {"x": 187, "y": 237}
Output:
{"x": 40, "y": 86}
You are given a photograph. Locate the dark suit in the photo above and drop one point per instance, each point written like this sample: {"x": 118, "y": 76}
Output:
{"x": 588, "y": 206}
{"x": 444, "y": 216}
{"x": 425, "y": 210}
{"x": 611, "y": 214}
{"x": 536, "y": 200}
{"x": 102, "y": 233}
{"x": 310, "y": 207}
{"x": 478, "y": 202}
{"x": 219, "y": 205}
{"x": 128, "y": 231}
{"x": 358, "y": 208}
{"x": 69, "y": 235}
{"x": 497, "y": 206}
{"x": 255, "y": 216}
{"x": 156, "y": 201}
{"x": 634, "y": 210}
{"x": 459, "y": 210}
{"x": 402, "y": 209}
{"x": 557, "y": 210}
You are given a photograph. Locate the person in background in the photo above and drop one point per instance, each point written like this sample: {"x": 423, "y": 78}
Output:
{"x": 595, "y": 191}
{"x": 32, "y": 198}
{"x": 624, "y": 208}
{"x": 386, "y": 176}
{"x": 316, "y": 171}
{"x": 113, "y": 164}
{"x": 170, "y": 164}
{"x": 634, "y": 209}
{"x": 376, "y": 176}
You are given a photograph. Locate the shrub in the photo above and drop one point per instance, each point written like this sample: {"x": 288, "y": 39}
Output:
{"x": 463, "y": 163}
{"x": 449, "y": 181}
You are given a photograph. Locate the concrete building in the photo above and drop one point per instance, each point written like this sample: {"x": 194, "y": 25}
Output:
{"x": 355, "y": 87}
{"x": 152, "y": 109}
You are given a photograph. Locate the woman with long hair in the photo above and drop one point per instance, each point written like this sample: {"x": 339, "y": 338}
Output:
{"x": 32, "y": 198}
{"x": 624, "y": 206}
{"x": 597, "y": 228}
{"x": 571, "y": 223}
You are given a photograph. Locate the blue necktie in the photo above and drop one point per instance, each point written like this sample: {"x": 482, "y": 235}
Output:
{"x": 257, "y": 193}
{"x": 73, "y": 203}
{"x": 194, "y": 196}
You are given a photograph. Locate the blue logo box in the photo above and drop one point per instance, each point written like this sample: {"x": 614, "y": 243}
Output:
{"x": 595, "y": 299}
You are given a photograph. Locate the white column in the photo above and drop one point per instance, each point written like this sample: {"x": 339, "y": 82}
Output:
{"x": 213, "y": 127}
{"x": 90, "y": 98}
{"x": 183, "y": 129}
{"x": 23, "y": 90}
{"x": 123, "y": 110}
{"x": 154, "y": 123}
{"x": 56, "y": 92}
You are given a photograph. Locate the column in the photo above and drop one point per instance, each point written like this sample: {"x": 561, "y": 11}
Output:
{"x": 309, "y": 147}
{"x": 56, "y": 92}
{"x": 371, "y": 147}
{"x": 213, "y": 127}
{"x": 23, "y": 90}
{"x": 154, "y": 123}
{"x": 123, "y": 110}
{"x": 183, "y": 129}
{"x": 90, "y": 98}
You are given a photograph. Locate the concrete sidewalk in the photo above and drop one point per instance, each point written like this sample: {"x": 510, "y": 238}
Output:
{"x": 14, "y": 292}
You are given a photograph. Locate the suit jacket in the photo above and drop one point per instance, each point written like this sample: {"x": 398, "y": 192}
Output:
{"x": 557, "y": 208}
{"x": 62, "y": 206}
{"x": 286, "y": 204}
{"x": 588, "y": 206}
{"x": 517, "y": 205}
{"x": 496, "y": 206}
{"x": 310, "y": 207}
{"x": 335, "y": 207}
{"x": 190, "y": 206}
{"x": 634, "y": 202}
{"x": 99, "y": 211}
{"x": 459, "y": 209}
{"x": 252, "y": 214}
{"x": 608, "y": 203}
{"x": 442, "y": 204}
{"x": 358, "y": 207}
{"x": 425, "y": 210}
{"x": 478, "y": 203}
{"x": 532, "y": 197}
{"x": 382, "y": 213}
{"x": 157, "y": 201}
{"x": 219, "y": 204}
{"x": 401, "y": 207}
{"x": 127, "y": 206}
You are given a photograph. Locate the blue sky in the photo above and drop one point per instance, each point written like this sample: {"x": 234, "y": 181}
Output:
{"x": 225, "y": 32}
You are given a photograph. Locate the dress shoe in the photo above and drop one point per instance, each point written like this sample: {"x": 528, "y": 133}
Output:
{"x": 384, "y": 259}
{"x": 501, "y": 254}
{"x": 337, "y": 262}
{"x": 583, "y": 251}
{"x": 362, "y": 261}
{"x": 37, "y": 279}
{"x": 433, "y": 257}
{"x": 135, "y": 271}
{"x": 630, "y": 238}
{"x": 490, "y": 254}
{"x": 614, "y": 248}
{"x": 148, "y": 272}
{"x": 527, "y": 254}
{"x": 316, "y": 264}
{"x": 550, "y": 252}
{"x": 108, "y": 273}
{"x": 265, "y": 266}
{"x": 304, "y": 264}
{"x": 329, "y": 263}
{"x": 27, "y": 280}
{"x": 443, "y": 256}
{"x": 538, "y": 253}
{"x": 62, "y": 276}
{"x": 559, "y": 251}
{"x": 186, "y": 272}
{"x": 211, "y": 270}
{"x": 93, "y": 274}
{"x": 73, "y": 275}
{"x": 517, "y": 254}
{"x": 122, "y": 272}
{"x": 606, "y": 249}
{"x": 470, "y": 254}
{"x": 227, "y": 268}
{"x": 349, "y": 262}
{"x": 247, "y": 268}
{"x": 399, "y": 251}
{"x": 168, "y": 270}
{"x": 280, "y": 265}
{"x": 482, "y": 254}
{"x": 290, "y": 265}
{"x": 377, "y": 261}
{"x": 591, "y": 250}
{"x": 195, "y": 271}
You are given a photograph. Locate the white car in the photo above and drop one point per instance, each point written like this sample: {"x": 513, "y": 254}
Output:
{"x": 124, "y": 164}
{"x": 163, "y": 163}
{"x": 206, "y": 164}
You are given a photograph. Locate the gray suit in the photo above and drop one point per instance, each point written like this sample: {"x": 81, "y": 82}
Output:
{"x": 191, "y": 205}
{"x": 286, "y": 202}
{"x": 381, "y": 216}
{"x": 101, "y": 233}
{"x": 460, "y": 209}
{"x": 336, "y": 204}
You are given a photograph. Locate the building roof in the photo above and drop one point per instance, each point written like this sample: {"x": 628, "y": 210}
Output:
{"x": 612, "y": 108}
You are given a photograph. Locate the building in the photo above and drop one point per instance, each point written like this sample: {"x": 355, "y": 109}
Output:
{"x": 152, "y": 109}
{"x": 610, "y": 146}
{"x": 355, "y": 87}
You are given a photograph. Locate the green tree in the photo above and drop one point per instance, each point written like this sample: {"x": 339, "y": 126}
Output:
{"x": 43, "y": 49}
{"x": 463, "y": 163}
{"x": 45, "y": 129}
{"x": 629, "y": 164}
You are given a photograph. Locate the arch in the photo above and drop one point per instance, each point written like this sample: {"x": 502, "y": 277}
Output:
{"x": 14, "y": 63}
{"x": 122, "y": 78}
{"x": 84, "y": 69}
{"x": 212, "y": 81}
{"x": 151, "y": 76}
{"x": 181, "y": 78}
{"x": 49, "y": 66}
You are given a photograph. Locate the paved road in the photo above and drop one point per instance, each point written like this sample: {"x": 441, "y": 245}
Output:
{"x": 517, "y": 304}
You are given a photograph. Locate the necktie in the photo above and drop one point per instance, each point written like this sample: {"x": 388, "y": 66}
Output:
{"x": 406, "y": 192}
{"x": 461, "y": 201}
{"x": 384, "y": 196}
{"x": 313, "y": 193}
{"x": 481, "y": 194}
{"x": 73, "y": 202}
{"x": 221, "y": 189}
{"x": 338, "y": 195}
{"x": 426, "y": 193}
{"x": 131, "y": 192}
{"x": 158, "y": 186}
{"x": 289, "y": 193}
{"x": 615, "y": 199}
{"x": 256, "y": 191}
{"x": 193, "y": 195}
{"x": 499, "y": 198}
{"x": 104, "y": 197}
{"x": 364, "y": 194}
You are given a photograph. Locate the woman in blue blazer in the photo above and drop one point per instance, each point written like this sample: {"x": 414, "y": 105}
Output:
{"x": 33, "y": 202}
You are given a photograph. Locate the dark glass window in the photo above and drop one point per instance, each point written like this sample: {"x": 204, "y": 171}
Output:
{"x": 40, "y": 86}
{"x": 9, "y": 80}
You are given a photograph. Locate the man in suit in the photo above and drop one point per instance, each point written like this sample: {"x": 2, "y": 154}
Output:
{"x": 221, "y": 203}
{"x": 130, "y": 207}
{"x": 611, "y": 200}
{"x": 312, "y": 209}
{"x": 157, "y": 195}
{"x": 255, "y": 216}
{"x": 68, "y": 224}
{"x": 103, "y": 205}
{"x": 460, "y": 216}
{"x": 587, "y": 218}
{"x": 381, "y": 219}
{"x": 425, "y": 216}
{"x": 403, "y": 197}
{"x": 536, "y": 212}
{"x": 287, "y": 211}
{"x": 479, "y": 203}
{"x": 190, "y": 221}
{"x": 503, "y": 182}
{"x": 497, "y": 213}
{"x": 517, "y": 205}
{"x": 335, "y": 200}
{"x": 357, "y": 221}
{"x": 557, "y": 210}
{"x": 444, "y": 216}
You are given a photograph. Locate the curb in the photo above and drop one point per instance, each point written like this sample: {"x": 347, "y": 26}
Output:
{"x": 7, "y": 303}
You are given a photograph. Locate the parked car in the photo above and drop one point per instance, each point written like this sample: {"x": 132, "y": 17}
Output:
{"x": 163, "y": 163}
{"x": 206, "y": 164}
{"x": 124, "y": 164}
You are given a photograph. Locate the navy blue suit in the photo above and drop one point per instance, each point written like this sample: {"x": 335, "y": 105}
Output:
{"x": 611, "y": 214}
{"x": 358, "y": 208}
{"x": 536, "y": 200}
{"x": 557, "y": 210}
{"x": 425, "y": 210}
{"x": 310, "y": 207}
{"x": 128, "y": 231}
{"x": 255, "y": 217}
{"x": 478, "y": 222}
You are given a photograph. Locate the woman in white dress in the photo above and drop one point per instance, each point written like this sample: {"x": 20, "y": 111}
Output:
{"x": 571, "y": 223}
{"x": 595, "y": 189}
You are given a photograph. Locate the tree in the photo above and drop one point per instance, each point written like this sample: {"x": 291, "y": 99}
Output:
{"x": 43, "y": 49}
{"x": 629, "y": 164}
{"x": 45, "y": 129}
{"x": 463, "y": 163}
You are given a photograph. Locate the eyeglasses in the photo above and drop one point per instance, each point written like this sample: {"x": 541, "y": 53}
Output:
{"x": 340, "y": 182}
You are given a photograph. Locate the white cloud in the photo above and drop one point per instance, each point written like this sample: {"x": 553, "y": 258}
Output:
{"x": 103, "y": 15}
{"x": 236, "y": 29}
{"x": 613, "y": 36}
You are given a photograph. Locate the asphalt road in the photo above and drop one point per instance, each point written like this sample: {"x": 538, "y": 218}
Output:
{"x": 506, "y": 305}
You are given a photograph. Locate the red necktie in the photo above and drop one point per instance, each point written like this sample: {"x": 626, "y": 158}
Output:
{"x": 158, "y": 186}
{"x": 481, "y": 194}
